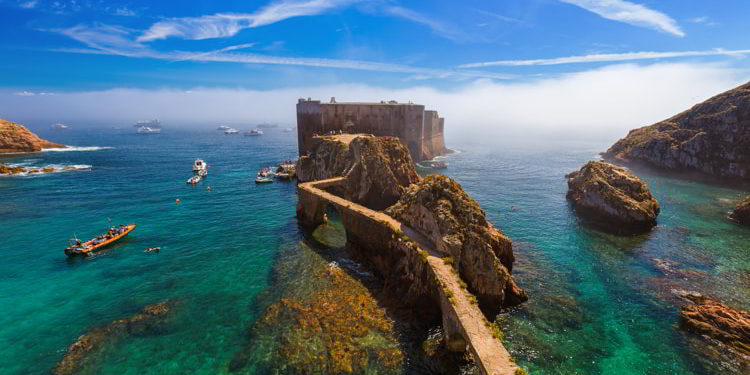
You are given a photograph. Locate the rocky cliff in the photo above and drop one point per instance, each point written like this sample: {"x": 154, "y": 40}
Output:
{"x": 439, "y": 209}
{"x": 613, "y": 198}
{"x": 713, "y": 138}
{"x": 378, "y": 169}
{"x": 741, "y": 213}
{"x": 17, "y": 138}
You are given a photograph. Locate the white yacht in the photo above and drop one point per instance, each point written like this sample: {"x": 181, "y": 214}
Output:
{"x": 200, "y": 168}
{"x": 153, "y": 124}
{"x": 254, "y": 132}
{"x": 148, "y": 130}
{"x": 223, "y": 128}
{"x": 231, "y": 131}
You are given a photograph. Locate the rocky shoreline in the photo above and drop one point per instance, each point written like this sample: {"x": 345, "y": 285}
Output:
{"x": 16, "y": 138}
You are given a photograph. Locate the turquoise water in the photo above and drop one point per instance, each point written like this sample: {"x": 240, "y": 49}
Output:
{"x": 599, "y": 304}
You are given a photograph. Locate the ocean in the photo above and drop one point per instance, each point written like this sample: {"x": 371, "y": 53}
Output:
{"x": 242, "y": 276}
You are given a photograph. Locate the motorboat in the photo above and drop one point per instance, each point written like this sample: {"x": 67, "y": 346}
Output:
{"x": 193, "y": 180}
{"x": 254, "y": 132}
{"x": 283, "y": 175}
{"x": 263, "y": 180}
{"x": 60, "y": 126}
{"x": 223, "y": 127}
{"x": 231, "y": 131}
{"x": 154, "y": 124}
{"x": 114, "y": 234}
{"x": 148, "y": 130}
{"x": 200, "y": 168}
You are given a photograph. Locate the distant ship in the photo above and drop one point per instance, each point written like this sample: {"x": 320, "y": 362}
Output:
{"x": 254, "y": 132}
{"x": 153, "y": 124}
{"x": 223, "y": 128}
{"x": 60, "y": 126}
{"x": 267, "y": 126}
{"x": 148, "y": 130}
{"x": 231, "y": 131}
{"x": 288, "y": 130}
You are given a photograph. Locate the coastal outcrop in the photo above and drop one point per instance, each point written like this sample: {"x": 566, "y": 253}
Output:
{"x": 613, "y": 198}
{"x": 741, "y": 213}
{"x": 716, "y": 320}
{"x": 17, "y": 138}
{"x": 440, "y": 210}
{"x": 79, "y": 354}
{"x": 712, "y": 138}
{"x": 377, "y": 169}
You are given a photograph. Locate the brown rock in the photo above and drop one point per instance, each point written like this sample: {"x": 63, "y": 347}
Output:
{"x": 99, "y": 338}
{"x": 17, "y": 138}
{"x": 377, "y": 168}
{"x": 439, "y": 209}
{"x": 713, "y": 138}
{"x": 613, "y": 198}
{"x": 716, "y": 320}
{"x": 741, "y": 213}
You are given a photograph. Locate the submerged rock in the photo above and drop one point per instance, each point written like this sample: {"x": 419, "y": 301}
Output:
{"x": 741, "y": 213}
{"x": 94, "y": 341}
{"x": 439, "y": 209}
{"x": 377, "y": 168}
{"x": 713, "y": 138}
{"x": 17, "y": 138}
{"x": 613, "y": 198}
{"x": 716, "y": 320}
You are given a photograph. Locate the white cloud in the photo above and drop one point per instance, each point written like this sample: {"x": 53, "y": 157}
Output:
{"x": 630, "y": 13}
{"x": 603, "y": 103}
{"x": 223, "y": 25}
{"x": 24, "y": 93}
{"x": 607, "y": 57}
{"x": 124, "y": 11}
{"x": 115, "y": 40}
{"x": 28, "y": 4}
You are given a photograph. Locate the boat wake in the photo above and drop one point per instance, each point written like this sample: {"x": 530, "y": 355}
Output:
{"x": 78, "y": 148}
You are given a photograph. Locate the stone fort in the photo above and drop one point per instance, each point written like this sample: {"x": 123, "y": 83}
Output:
{"x": 419, "y": 129}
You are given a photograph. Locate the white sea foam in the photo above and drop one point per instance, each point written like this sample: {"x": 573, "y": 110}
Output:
{"x": 56, "y": 168}
{"x": 78, "y": 148}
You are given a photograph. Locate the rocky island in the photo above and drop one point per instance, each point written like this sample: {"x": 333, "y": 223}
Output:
{"x": 712, "y": 138}
{"x": 613, "y": 198}
{"x": 717, "y": 321}
{"x": 426, "y": 239}
{"x": 17, "y": 138}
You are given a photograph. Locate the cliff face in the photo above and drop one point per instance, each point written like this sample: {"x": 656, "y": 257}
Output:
{"x": 377, "y": 168}
{"x": 439, "y": 209}
{"x": 741, "y": 213}
{"x": 713, "y": 137}
{"x": 17, "y": 138}
{"x": 613, "y": 198}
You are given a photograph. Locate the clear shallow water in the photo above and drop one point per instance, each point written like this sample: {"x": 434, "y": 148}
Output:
{"x": 599, "y": 304}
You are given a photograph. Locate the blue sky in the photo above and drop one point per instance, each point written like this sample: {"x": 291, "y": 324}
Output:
{"x": 70, "y": 47}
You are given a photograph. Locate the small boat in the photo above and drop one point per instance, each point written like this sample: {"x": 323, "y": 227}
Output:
{"x": 148, "y": 130}
{"x": 153, "y": 249}
{"x": 254, "y": 132}
{"x": 200, "y": 168}
{"x": 89, "y": 247}
{"x": 60, "y": 126}
{"x": 283, "y": 175}
{"x": 193, "y": 180}
{"x": 231, "y": 131}
{"x": 263, "y": 180}
{"x": 223, "y": 128}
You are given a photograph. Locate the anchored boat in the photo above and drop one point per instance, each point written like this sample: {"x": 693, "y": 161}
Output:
{"x": 89, "y": 247}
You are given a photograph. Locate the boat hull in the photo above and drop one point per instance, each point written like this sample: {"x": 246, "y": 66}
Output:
{"x": 89, "y": 248}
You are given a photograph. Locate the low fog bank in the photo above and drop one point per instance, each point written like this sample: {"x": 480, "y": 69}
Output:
{"x": 601, "y": 104}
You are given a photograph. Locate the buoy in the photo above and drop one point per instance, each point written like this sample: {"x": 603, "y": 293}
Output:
{"x": 177, "y": 201}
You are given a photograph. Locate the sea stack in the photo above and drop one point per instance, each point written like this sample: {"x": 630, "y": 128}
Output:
{"x": 741, "y": 213}
{"x": 612, "y": 198}
{"x": 712, "y": 138}
{"x": 439, "y": 209}
{"x": 17, "y": 138}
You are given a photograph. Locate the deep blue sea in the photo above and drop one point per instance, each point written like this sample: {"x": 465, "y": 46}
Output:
{"x": 599, "y": 304}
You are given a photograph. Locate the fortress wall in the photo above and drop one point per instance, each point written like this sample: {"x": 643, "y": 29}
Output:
{"x": 308, "y": 122}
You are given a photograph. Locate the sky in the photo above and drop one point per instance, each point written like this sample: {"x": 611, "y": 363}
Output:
{"x": 584, "y": 66}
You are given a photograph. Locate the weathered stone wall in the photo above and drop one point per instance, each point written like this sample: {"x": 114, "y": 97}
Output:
{"x": 423, "y": 137}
